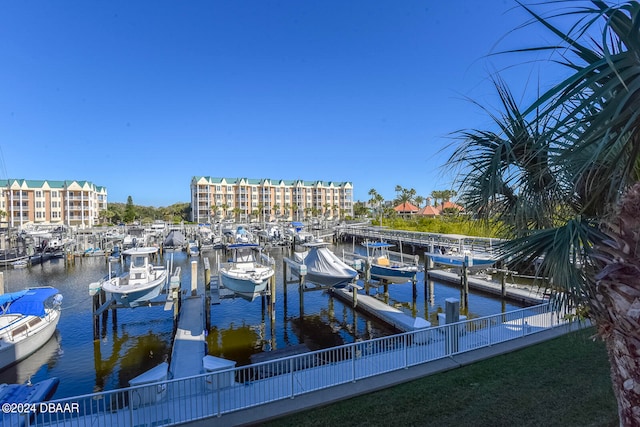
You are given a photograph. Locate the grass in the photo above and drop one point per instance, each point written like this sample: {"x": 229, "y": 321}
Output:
{"x": 562, "y": 382}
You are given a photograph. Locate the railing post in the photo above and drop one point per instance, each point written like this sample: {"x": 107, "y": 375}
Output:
{"x": 405, "y": 339}
{"x": 353, "y": 363}
{"x": 131, "y": 406}
{"x": 293, "y": 393}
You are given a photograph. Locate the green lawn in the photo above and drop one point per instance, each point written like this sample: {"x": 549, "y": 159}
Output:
{"x": 562, "y": 382}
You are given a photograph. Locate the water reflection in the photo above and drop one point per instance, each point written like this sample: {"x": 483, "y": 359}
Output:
{"x": 140, "y": 338}
{"x": 42, "y": 360}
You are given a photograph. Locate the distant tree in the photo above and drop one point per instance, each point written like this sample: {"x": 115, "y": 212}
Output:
{"x": 236, "y": 213}
{"x": 360, "y": 209}
{"x": 129, "y": 211}
{"x": 419, "y": 200}
{"x": 376, "y": 202}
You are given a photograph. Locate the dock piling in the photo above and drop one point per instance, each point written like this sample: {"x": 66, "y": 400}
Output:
{"x": 194, "y": 278}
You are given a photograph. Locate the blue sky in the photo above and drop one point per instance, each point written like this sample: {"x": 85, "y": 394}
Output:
{"x": 139, "y": 94}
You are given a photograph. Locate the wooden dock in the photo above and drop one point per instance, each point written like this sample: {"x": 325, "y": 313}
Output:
{"x": 189, "y": 341}
{"x": 528, "y": 295}
{"x": 384, "y": 312}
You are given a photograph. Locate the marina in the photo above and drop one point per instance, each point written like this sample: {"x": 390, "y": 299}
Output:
{"x": 232, "y": 329}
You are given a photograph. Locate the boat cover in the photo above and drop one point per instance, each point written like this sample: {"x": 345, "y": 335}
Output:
{"x": 31, "y": 303}
{"x": 11, "y": 297}
{"x": 322, "y": 260}
{"x": 174, "y": 239}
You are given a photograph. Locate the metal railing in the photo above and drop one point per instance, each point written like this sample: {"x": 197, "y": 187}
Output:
{"x": 214, "y": 394}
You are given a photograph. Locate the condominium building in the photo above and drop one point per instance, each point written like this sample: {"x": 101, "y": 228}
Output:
{"x": 267, "y": 199}
{"x": 72, "y": 203}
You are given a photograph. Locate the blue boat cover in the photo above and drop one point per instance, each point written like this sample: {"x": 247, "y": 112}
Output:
{"x": 31, "y": 302}
{"x": 10, "y": 297}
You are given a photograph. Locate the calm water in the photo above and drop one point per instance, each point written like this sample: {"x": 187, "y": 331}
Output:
{"x": 141, "y": 337}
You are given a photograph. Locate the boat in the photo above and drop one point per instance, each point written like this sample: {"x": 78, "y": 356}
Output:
{"x": 21, "y": 263}
{"x": 28, "y": 392}
{"x": 458, "y": 259}
{"x": 141, "y": 283}
{"x": 94, "y": 252}
{"x": 193, "y": 248}
{"x": 175, "y": 240}
{"x": 384, "y": 268}
{"x": 245, "y": 275}
{"x": 27, "y": 395}
{"x": 298, "y": 234}
{"x": 28, "y": 320}
{"x": 323, "y": 266}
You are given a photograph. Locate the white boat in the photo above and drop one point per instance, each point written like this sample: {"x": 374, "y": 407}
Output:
{"x": 94, "y": 252}
{"x": 21, "y": 263}
{"x": 143, "y": 282}
{"x": 245, "y": 274}
{"x": 383, "y": 267}
{"x": 323, "y": 266}
{"x": 28, "y": 319}
{"x": 193, "y": 248}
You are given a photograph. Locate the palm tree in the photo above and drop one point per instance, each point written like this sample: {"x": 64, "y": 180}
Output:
{"x": 565, "y": 176}
{"x": 376, "y": 201}
{"x": 419, "y": 200}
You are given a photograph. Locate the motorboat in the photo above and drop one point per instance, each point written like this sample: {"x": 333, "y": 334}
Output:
{"x": 383, "y": 267}
{"x": 21, "y": 263}
{"x": 323, "y": 266}
{"x": 193, "y": 248}
{"x": 465, "y": 258}
{"x": 175, "y": 240}
{"x": 141, "y": 283}
{"x": 245, "y": 274}
{"x": 28, "y": 320}
{"x": 453, "y": 251}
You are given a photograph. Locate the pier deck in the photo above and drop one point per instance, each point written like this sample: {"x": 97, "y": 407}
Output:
{"x": 522, "y": 294}
{"x": 390, "y": 315}
{"x": 189, "y": 342}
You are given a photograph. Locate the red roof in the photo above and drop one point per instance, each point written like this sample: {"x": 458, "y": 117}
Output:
{"x": 429, "y": 211}
{"x": 448, "y": 204}
{"x": 406, "y": 207}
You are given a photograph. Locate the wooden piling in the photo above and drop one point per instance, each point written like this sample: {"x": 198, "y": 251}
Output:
{"x": 194, "y": 278}
{"x": 354, "y": 289}
{"x": 465, "y": 286}
{"x": 272, "y": 298}
{"x": 207, "y": 275}
{"x": 1, "y": 283}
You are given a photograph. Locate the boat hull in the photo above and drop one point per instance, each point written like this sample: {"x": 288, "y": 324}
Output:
{"x": 244, "y": 287}
{"x": 24, "y": 346}
{"x": 393, "y": 275}
{"x": 134, "y": 296}
{"x": 458, "y": 261}
{"x": 329, "y": 280}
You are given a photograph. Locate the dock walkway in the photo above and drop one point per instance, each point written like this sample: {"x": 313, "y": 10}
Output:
{"x": 390, "y": 315}
{"x": 242, "y": 396}
{"x": 189, "y": 344}
{"x": 519, "y": 293}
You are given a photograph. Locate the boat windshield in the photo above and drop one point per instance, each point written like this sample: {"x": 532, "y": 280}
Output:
{"x": 137, "y": 261}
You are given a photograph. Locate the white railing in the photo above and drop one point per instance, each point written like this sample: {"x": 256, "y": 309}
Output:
{"x": 217, "y": 393}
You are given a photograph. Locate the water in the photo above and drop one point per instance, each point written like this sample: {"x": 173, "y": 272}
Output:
{"x": 141, "y": 337}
